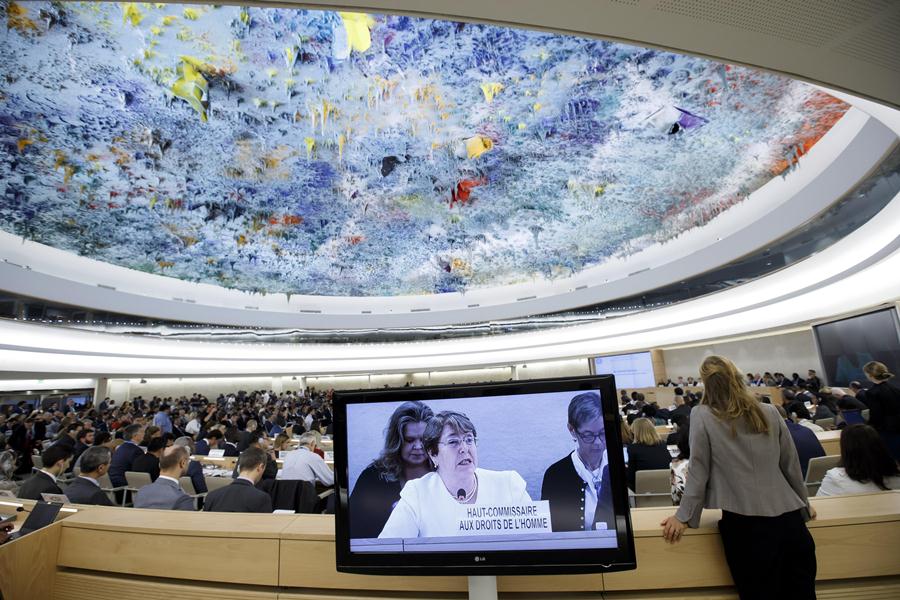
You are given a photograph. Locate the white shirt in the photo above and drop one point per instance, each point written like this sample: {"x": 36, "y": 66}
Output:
{"x": 193, "y": 427}
{"x": 427, "y": 509}
{"x": 306, "y": 465}
{"x": 49, "y": 474}
{"x": 836, "y": 483}
{"x": 590, "y": 491}
{"x": 307, "y": 420}
{"x": 178, "y": 483}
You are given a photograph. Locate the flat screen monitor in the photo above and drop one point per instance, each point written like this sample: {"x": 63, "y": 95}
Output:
{"x": 488, "y": 479}
{"x": 630, "y": 370}
{"x": 846, "y": 345}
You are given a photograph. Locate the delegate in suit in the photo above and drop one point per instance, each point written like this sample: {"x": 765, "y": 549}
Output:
{"x": 56, "y": 460}
{"x": 166, "y": 493}
{"x": 241, "y": 495}
{"x": 86, "y": 487}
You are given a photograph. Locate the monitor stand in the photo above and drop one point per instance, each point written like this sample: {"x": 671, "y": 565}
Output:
{"x": 482, "y": 587}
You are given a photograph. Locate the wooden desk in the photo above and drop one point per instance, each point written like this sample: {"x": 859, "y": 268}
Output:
{"x": 281, "y": 557}
{"x": 665, "y": 396}
{"x": 831, "y": 441}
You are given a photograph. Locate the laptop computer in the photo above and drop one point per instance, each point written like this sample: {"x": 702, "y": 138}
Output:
{"x": 41, "y": 515}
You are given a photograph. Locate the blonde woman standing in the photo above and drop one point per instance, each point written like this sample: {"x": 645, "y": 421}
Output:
{"x": 744, "y": 462}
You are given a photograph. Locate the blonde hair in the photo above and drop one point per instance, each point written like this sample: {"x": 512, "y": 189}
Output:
{"x": 644, "y": 432}
{"x": 877, "y": 370}
{"x": 726, "y": 394}
{"x": 627, "y": 435}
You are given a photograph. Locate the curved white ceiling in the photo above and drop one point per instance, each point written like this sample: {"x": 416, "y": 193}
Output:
{"x": 843, "y": 156}
{"x": 856, "y": 273}
{"x": 832, "y": 167}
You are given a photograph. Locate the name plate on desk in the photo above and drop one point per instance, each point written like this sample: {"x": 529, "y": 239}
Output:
{"x": 283, "y": 454}
{"x": 487, "y": 519}
{"x": 55, "y": 498}
{"x": 217, "y": 454}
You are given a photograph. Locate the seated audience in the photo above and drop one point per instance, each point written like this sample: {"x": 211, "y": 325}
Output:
{"x": 56, "y": 460}
{"x": 303, "y": 463}
{"x": 808, "y": 445}
{"x": 232, "y": 438}
{"x": 241, "y": 494}
{"x": 249, "y": 434}
{"x": 680, "y": 421}
{"x": 281, "y": 443}
{"x": 151, "y": 432}
{"x": 194, "y": 469}
{"x": 166, "y": 493}
{"x": 679, "y": 466}
{"x": 647, "y": 452}
{"x": 7, "y": 471}
{"x": 123, "y": 457}
{"x": 209, "y": 442}
{"x": 86, "y": 487}
{"x": 847, "y": 401}
{"x": 821, "y": 408}
{"x": 149, "y": 461}
{"x": 866, "y": 465}
{"x": 271, "y": 471}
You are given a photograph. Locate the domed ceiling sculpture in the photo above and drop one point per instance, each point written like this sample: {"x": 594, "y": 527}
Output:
{"x": 325, "y": 153}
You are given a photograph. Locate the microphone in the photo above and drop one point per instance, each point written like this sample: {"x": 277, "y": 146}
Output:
{"x": 460, "y": 494}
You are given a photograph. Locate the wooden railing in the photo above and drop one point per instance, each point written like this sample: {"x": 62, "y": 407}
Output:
{"x": 124, "y": 553}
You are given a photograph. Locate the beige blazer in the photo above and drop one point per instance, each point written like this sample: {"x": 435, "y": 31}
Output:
{"x": 750, "y": 474}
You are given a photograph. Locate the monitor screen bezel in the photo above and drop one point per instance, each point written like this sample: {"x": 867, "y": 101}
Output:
{"x": 893, "y": 310}
{"x": 482, "y": 562}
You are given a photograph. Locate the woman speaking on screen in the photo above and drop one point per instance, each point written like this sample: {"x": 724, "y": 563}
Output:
{"x": 429, "y": 506}
{"x": 743, "y": 460}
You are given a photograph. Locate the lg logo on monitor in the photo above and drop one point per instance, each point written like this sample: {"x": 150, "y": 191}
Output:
{"x": 480, "y": 558}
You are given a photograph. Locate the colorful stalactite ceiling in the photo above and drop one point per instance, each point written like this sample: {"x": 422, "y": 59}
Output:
{"x": 311, "y": 152}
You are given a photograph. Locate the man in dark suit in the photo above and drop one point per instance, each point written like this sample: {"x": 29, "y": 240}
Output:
{"x": 86, "y": 487}
{"x": 232, "y": 437}
{"x": 250, "y": 434}
{"x": 209, "y": 442}
{"x": 241, "y": 495}
{"x": 149, "y": 461}
{"x": 123, "y": 459}
{"x": 808, "y": 445}
{"x": 56, "y": 460}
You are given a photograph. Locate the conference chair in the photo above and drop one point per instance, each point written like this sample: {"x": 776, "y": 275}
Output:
{"x": 136, "y": 480}
{"x": 865, "y": 414}
{"x": 112, "y": 491}
{"x": 652, "y": 488}
{"x": 37, "y": 462}
{"x": 188, "y": 486}
{"x": 826, "y": 424}
{"x": 815, "y": 472}
{"x": 851, "y": 417}
{"x": 214, "y": 483}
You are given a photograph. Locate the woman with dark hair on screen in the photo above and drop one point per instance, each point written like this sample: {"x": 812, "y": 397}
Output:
{"x": 883, "y": 400}
{"x": 577, "y": 486}
{"x": 743, "y": 460}
{"x": 402, "y": 459}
